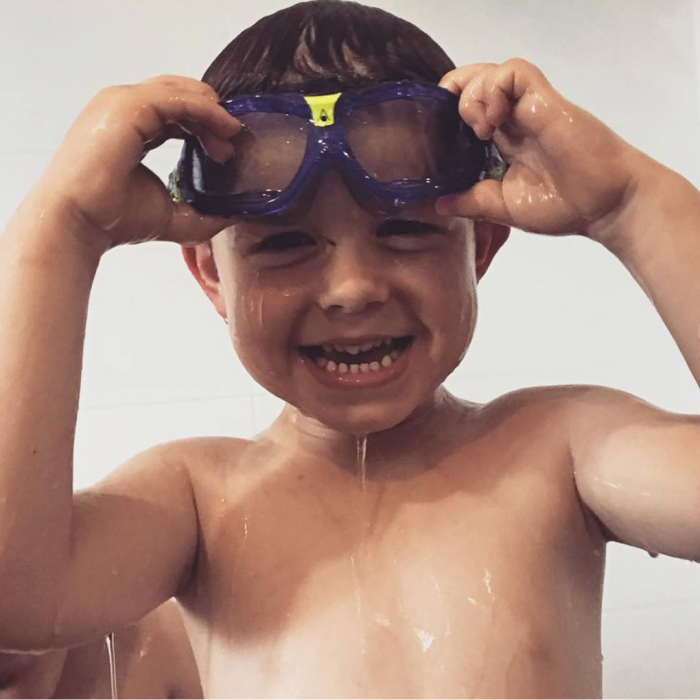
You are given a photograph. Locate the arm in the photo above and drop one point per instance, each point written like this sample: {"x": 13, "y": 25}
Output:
{"x": 70, "y": 568}
{"x": 30, "y": 675}
{"x": 638, "y": 467}
{"x": 570, "y": 174}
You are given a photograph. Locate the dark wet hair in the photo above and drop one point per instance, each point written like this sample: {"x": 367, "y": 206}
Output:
{"x": 324, "y": 46}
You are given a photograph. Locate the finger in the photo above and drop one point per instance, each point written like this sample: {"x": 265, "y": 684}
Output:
{"x": 152, "y": 109}
{"x": 184, "y": 83}
{"x": 491, "y": 92}
{"x": 498, "y": 89}
{"x": 457, "y": 79}
{"x": 170, "y": 131}
{"x": 517, "y": 76}
{"x": 469, "y": 83}
{"x": 193, "y": 107}
{"x": 190, "y": 227}
{"x": 472, "y": 106}
{"x": 219, "y": 150}
{"x": 519, "y": 89}
{"x": 484, "y": 201}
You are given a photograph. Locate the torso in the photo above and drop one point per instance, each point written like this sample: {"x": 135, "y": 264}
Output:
{"x": 473, "y": 573}
{"x": 153, "y": 660}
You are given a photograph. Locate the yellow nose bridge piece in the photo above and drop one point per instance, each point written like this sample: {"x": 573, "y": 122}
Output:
{"x": 322, "y": 108}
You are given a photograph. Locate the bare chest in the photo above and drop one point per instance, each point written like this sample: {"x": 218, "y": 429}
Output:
{"x": 432, "y": 587}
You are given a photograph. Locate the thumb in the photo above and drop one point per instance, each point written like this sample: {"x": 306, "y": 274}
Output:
{"x": 190, "y": 227}
{"x": 484, "y": 201}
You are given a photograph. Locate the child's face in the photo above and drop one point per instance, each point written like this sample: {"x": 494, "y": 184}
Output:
{"x": 340, "y": 275}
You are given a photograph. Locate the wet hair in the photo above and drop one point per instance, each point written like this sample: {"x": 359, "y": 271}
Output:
{"x": 325, "y": 46}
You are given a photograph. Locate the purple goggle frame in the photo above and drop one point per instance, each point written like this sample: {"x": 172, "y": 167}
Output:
{"x": 332, "y": 127}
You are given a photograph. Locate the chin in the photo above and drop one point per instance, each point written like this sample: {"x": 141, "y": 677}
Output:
{"x": 362, "y": 419}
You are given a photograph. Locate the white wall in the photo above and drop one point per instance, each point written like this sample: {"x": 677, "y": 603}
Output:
{"x": 158, "y": 364}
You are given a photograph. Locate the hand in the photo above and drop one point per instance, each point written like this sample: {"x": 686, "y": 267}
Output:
{"x": 568, "y": 171}
{"x": 96, "y": 178}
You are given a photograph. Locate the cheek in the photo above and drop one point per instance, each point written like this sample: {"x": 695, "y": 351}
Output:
{"x": 263, "y": 324}
{"x": 449, "y": 300}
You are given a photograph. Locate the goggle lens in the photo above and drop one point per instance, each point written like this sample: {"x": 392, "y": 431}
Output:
{"x": 269, "y": 151}
{"x": 401, "y": 139}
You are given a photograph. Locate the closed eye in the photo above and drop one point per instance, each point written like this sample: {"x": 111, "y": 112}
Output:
{"x": 404, "y": 227}
{"x": 287, "y": 240}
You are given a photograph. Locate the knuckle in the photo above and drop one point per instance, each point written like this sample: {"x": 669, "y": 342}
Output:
{"x": 113, "y": 97}
{"x": 112, "y": 92}
{"x": 165, "y": 79}
{"x": 522, "y": 64}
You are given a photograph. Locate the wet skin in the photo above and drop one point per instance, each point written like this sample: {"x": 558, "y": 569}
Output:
{"x": 465, "y": 566}
{"x": 468, "y": 564}
{"x": 154, "y": 660}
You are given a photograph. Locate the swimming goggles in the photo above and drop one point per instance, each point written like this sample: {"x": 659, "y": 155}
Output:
{"x": 394, "y": 144}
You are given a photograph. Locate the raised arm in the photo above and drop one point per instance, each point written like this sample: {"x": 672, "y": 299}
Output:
{"x": 72, "y": 568}
{"x": 638, "y": 467}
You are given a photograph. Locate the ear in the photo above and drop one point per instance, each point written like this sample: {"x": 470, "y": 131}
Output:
{"x": 488, "y": 238}
{"x": 200, "y": 261}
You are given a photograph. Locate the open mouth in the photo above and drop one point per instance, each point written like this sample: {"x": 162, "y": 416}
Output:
{"x": 370, "y": 363}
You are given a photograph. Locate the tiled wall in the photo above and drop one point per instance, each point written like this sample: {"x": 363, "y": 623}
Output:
{"x": 158, "y": 362}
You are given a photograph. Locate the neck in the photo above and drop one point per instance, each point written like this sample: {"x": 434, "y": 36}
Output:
{"x": 397, "y": 449}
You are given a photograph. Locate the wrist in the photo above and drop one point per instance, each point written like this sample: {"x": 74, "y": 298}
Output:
{"x": 47, "y": 229}
{"x": 655, "y": 195}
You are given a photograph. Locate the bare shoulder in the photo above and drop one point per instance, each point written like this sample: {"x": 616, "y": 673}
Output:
{"x": 207, "y": 458}
{"x": 545, "y": 425}
{"x": 534, "y": 405}
{"x": 191, "y": 459}
{"x": 595, "y": 413}
{"x": 568, "y": 404}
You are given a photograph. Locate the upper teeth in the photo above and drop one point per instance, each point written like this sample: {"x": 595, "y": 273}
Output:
{"x": 356, "y": 349}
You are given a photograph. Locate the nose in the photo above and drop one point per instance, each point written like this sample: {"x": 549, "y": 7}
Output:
{"x": 354, "y": 279}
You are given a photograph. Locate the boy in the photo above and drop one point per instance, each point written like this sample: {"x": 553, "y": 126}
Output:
{"x": 153, "y": 660}
{"x": 469, "y": 561}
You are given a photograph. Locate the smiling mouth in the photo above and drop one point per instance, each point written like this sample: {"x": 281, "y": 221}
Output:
{"x": 369, "y": 357}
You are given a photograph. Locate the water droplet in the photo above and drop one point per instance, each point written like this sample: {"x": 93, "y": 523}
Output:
{"x": 109, "y": 641}
{"x": 361, "y": 444}
{"x": 426, "y": 639}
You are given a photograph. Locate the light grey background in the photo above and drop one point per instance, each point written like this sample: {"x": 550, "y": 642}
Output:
{"x": 158, "y": 363}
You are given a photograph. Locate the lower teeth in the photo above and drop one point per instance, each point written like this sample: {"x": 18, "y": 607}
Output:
{"x": 362, "y": 368}
{"x": 359, "y": 367}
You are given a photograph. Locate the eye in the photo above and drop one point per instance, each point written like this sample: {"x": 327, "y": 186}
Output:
{"x": 281, "y": 242}
{"x": 409, "y": 235}
{"x": 404, "y": 227}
